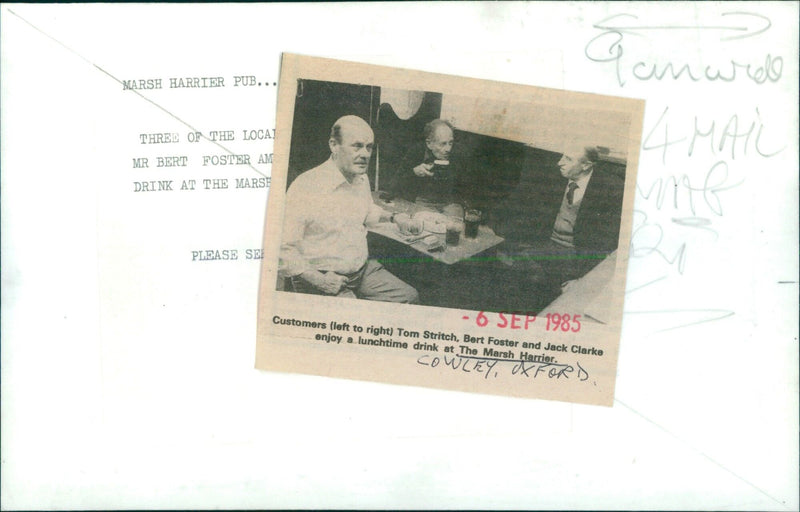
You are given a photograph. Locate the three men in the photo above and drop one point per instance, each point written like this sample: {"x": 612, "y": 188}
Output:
{"x": 328, "y": 208}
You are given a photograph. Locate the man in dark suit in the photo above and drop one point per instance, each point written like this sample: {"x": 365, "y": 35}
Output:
{"x": 578, "y": 227}
{"x": 432, "y": 175}
{"x": 587, "y": 217}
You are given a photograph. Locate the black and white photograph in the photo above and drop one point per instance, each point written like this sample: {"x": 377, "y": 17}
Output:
{"x": 414, "y": 196}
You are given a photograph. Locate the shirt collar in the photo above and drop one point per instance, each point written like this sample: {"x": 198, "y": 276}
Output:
{"x": 583, "y": 180}
{"x": 334, "y": 178}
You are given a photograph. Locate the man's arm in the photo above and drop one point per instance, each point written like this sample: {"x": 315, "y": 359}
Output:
{"x": 327, "y": 282}
{"x": 403, "y": 220}
{"x": 407, "y": 181}
{"x": 291, "y": 259}
{"x": 598, "y": 230}
{"x": 423, "y": 170}
{"x": 377, "y": 215}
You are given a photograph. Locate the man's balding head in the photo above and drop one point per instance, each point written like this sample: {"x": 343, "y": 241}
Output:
{"x": 439, "y": 138}
{"x": 345, "y": 122}
{"x": 577, "y": 160}
{"x": 351, "y": 145}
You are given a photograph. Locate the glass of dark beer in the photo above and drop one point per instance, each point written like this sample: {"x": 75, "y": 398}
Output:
{"x": 453, "y": 233}
{"x": 472, "y": 218}
{"x": 439, "y": 169}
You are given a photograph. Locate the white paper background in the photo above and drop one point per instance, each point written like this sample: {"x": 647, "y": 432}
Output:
{"x": 127, "y": 375}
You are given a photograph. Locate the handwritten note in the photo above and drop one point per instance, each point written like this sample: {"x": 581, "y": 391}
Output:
{"x": 728, "y": 26}
{"x": 716, "y": 131}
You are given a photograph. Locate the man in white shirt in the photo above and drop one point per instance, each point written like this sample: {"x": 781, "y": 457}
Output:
{"x": 324, "y": 244}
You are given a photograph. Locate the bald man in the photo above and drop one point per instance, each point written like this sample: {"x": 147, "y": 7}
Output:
{"x": 328, "y": 209}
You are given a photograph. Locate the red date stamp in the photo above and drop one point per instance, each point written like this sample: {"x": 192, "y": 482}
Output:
{"x": 555, "y": 321}
{"x": 563, "y": 322}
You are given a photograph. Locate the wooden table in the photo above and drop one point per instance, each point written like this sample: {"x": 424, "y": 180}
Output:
{"x": 466, "y": 248}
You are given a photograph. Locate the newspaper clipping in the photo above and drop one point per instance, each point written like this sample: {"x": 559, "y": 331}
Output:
{"x": 447, "y": 232}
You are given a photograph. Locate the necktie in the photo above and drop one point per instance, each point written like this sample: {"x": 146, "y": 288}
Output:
{"x": 571, "y": 192}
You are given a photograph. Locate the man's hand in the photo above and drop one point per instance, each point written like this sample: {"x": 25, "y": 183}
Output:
{"x": 327, "y": 282}
{"x": 407, "y": 225}
{"x": 410, "y": 227}
{"x": 423, "y": 170}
